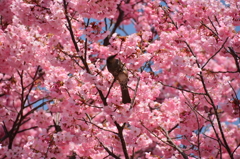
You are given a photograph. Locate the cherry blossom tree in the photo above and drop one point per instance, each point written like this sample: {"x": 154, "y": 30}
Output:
{"x": 58, "y": 100}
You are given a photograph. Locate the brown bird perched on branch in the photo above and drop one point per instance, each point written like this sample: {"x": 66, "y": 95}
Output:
{"x": 119, "y": 72}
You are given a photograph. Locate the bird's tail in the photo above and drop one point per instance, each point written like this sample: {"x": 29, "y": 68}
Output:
{"x": 125, "y": 94}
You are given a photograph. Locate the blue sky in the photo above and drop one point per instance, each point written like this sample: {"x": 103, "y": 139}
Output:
{"x": 237, "y": 28}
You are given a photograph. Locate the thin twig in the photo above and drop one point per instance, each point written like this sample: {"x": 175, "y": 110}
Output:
{"x": 90, "y": 122}
{"x": 213, "y": 25}
{"x": 110, "y": 88}
{"x": 135, "y": 93}
{"x": 181, "y": 89}
{"x": 109, "y": 152}
{"x": 236, "y": 58}
{"x": 215, "y": 34}
{"x": 117, "y": 24}
{"x": 215, "y": 53}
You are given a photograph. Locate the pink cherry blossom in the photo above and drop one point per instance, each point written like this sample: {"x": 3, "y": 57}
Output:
{"x": 58, "y": 99}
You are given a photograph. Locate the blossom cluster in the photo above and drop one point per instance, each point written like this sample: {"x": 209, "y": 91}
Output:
{"x": 58, "y": 100}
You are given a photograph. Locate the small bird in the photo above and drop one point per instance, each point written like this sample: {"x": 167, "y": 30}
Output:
{"x": 119, "y": 72}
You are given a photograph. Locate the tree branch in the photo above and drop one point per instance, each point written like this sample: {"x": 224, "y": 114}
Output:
{"x": 120, "y": 135}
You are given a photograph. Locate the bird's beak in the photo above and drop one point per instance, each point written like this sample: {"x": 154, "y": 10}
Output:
{"x": 111, "y": 57}
{"x": 114, "y": 55}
